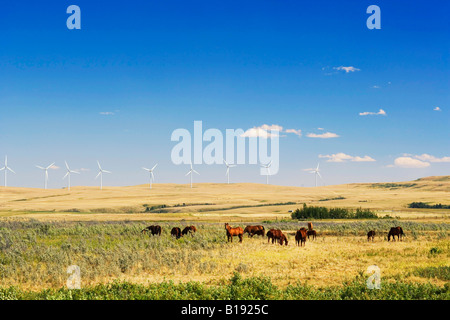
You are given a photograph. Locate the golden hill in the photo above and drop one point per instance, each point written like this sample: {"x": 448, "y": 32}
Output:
{"x": 213, "y": 199}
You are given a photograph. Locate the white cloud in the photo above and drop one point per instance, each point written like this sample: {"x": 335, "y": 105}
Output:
{"x": 342, "y": 157}
{"x": 294, "y": 131}
{"x": 347, "y": 69}
{"x": 54, "y": 167}
{"x": 320, "y": 129}
{"x": 376, "y": 87}
{"x": 381, "y": 112}
{"x": 106, "y": 113}
{"x": 437, "y": 109}
{"x": 408, "y": 162}
{"x": 430, "y": 158}
{"x": 262, "y": 131}
{"x": 265, "y": 131}
{"x": 325, "y": 135}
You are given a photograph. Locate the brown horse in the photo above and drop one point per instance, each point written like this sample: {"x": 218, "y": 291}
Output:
{"x": 310, "y": 226}
{"x": 276, "y": 235}
{"x": 190, "y": 229}
{"x": 232, "y": 232}
{"x": 312, "y": 233}
{"x": 371, "y": 234}
{"x": 283, "y": 238}
{"x": 395, "y": 231}
{"x": 273, "y": 234}
{"x": 155, "y": 230}
{"x": 252, "y": 230}
{"x": 176, "y": 232}
{"x": 300, "y": 236}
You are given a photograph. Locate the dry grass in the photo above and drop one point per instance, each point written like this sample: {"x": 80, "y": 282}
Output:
{"x": 210, "y": 202}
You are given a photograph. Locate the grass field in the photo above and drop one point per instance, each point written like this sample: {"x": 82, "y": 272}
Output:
{"x": 42, "y": 232}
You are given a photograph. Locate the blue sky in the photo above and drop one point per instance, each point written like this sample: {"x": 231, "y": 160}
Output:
{"x": 137, "y": 70}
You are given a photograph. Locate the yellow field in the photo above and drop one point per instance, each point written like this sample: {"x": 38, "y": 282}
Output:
{"x": 329, "y": 260}
{"x": 209, "y": 201}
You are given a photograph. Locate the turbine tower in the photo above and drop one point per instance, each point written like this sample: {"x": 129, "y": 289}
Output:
{"x": 316, "y": 173}
{"x": 228, "y": 170}
{"x": 150, "y": 171}
{"x": 267, "y": 166}
{"x": 68, "y": 173}
{"x": 190, "y": 173}
{"x": 6, "y": 168}
{"x": 46, "y": 173}
{"x": 100, "y": 173}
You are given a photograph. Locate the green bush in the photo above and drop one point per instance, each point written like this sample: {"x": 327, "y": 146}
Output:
{"x": 313, "y": 212}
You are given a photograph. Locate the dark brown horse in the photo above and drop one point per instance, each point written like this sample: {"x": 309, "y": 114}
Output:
{"x": 371, "y": 234}
{"x": 232, "y": 232}
{"x": 273, "y": 234}
{"x": 154, "y": 230}
{"x": 395, "y": 231}
{"x": 252, "y": 230}
{"x": 276, "y": 235}
{"x": 176, "y": 232}
{"x": 312, "y": 233}
{"x": 283, "y": 239}
{"x": 300, "y": 236}
{"x": 190, "y": 229}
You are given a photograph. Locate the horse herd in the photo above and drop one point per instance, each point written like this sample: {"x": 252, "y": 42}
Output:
{"x": 272, "y": 234}
{"x": 175, "y": 232}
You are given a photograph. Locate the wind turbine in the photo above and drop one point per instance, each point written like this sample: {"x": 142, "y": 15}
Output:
{"x": 228, "y": 170}
{"x": 316, "y": 173}
{"x": 69, "y": 172}
{"x": 6, "y": 168}
{"x": 46, "y": 173}
{"x": 150, "y": 171}
{"x": 100, "y": 173}
{"x": 190, "y": 173}
{"x": 267, "y": 166}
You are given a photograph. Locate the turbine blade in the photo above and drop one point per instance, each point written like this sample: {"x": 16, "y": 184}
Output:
{"x": 67, "y": 166}
{"x": 66, "y": 174}
{"x": 10, "y": 170}
{"x": 146, "y": 169}
{"x": 98, "y": 163}
{"x": 3, "y": 168}
{"x": 73, "y": 171}
{"x": 99, "y": 173}
{"x": 40, "y": 167}
{"x": 196, "y": 172}
{"x": 105, "y": 171}
{"x": 50, "y": 166}
{"x": 226, "y": 163}
{"x": 154, "y": 167}
{"x": 188, "y": 173}
{"x": 319, "y": 174}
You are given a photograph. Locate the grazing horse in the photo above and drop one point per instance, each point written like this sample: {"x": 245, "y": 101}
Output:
{"x": 395, "y": 231}
{"x": 273, "y": 234}
{"x": 312, "y": 233}
{"x": 300, "y": 236}
{"x": 231, "y": 232}
{"x": 190, "y": 229}
{"x": 155, "y": 230}
{"x": 252, "y": 230}
{"x": 310, "y": 226}
{"x": 283, "y": 238}
{"x": 176, "y": 232}
{"x": 276, "y": 234}
{"x": 371, "y": 234}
